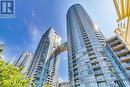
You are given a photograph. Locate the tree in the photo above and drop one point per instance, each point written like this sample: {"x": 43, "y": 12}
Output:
{"x": 47, "y": 85}
{"x": 10, "y": 76}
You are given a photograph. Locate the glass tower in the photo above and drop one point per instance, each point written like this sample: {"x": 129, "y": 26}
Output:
{"x": 24, "y": 61}
{"x": 52, "y": 66}
{"x": 89, "y": 66}
{"x": 46, "y": 47}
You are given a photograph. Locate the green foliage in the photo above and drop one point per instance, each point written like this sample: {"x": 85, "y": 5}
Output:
{"x": 10, "y": 76}
{"x": 47, "y": 85}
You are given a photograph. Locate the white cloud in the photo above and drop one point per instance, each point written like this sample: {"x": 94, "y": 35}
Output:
{"x": 34, "y": 32}
{"x": 35, "y": 35}
{"x": 33, "y": 13}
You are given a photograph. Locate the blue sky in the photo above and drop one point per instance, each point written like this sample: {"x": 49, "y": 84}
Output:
{"x": 34, "y": 17}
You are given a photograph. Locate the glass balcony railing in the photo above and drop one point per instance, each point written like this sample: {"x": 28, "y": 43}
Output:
{"x": 94, "y": 61}
{"x": 118, "y": 47}
{"x": 115, "y": 43}
{"x": 91, "y": 52}
{"x": 99, "y": 72}
{"x": 95, "y": 67}
{"x": 122, "y": 52}
{"x": 125, "y": 59}
{"x": 100, "y": 78}
{"x": 127, "y": 66}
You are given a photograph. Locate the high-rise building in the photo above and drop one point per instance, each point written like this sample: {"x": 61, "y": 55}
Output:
{"x": 120, "y": 57}
{"x": 1, "y": 49}
{"x": 89, "y": 66}
{"x": 24, "y": 61}
{"x": 51, "y": 74}
{"x": 43, "y": 63}
{"x": 64, "y": 84}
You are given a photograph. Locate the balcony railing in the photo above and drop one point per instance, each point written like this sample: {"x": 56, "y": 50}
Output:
{"x": 91, "y": 52}
{"x": 95, "y": 67}
{"x": 99, "y": 72}
{"x": 122, "y": 52}
{"x": 94, "y": 61}
{"x": 115, "y": 43}
{"x": 127, "y": 66}
{"x": 118, "y": 47}
{"x": 125, "y": 59}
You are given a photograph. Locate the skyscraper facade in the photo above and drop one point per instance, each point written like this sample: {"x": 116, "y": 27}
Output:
{"x": 24, "y": 61}
{"x": 120, "y": 57}
{"x": 51, "y": 71}
{"x": 51, "y": 74}
{"x": 46, "y": 47}
{"x": 89, "y": 66}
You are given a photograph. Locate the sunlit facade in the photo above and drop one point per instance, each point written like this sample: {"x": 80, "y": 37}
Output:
{"x": 89, "y": 66}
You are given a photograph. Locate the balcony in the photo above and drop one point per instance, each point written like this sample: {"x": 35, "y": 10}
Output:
{"x": 92, "y": 57}
{"x": 99, "y": 72}
{"x": 125, "y": 59}
{"x": 118, "y": 47}
{"x": 90, "y": 48}
{"x": 95, "y": 61}
{"x": 122, "y": 52}
{"x": 96, "y": 67}
{"x": 87, "y": 42}
{"x": 127, "y": 66}
{"x": 88, "y": 45}
{"x": 115, "y": 43}
{"x": 91, "y": 52}
{"x": 100, "y": 78}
